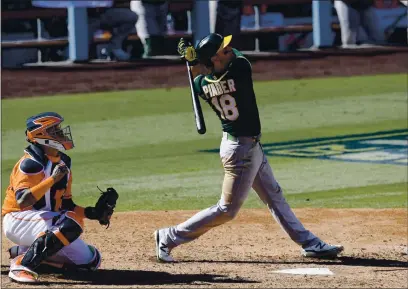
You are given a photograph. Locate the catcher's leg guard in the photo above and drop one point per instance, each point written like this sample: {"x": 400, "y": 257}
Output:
{"x": 51, "y": 242}
{"x": 95, "y": 263}
{"x": 43, "y": 247}
{"x": 70, "y": 228}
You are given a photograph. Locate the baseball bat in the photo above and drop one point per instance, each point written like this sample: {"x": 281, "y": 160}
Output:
{"x": 198, "y": 113}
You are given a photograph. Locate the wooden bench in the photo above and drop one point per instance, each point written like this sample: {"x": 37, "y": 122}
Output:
{"x": 61, "y": 42}
{"x": 298, "y": 28}
{"x": 174, "y": 6}
{"x": 41, "y": 13}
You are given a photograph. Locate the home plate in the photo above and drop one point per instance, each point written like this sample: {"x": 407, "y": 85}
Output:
{"x": 306, "y": 271}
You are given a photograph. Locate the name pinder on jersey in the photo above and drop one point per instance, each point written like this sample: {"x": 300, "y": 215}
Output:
{"x": 219, "y": 88}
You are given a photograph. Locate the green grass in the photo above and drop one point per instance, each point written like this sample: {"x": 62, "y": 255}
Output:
{"x": 377, "y": 196}
{"x": 144, "y": 143}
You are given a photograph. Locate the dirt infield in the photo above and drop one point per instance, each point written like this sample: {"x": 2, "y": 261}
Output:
{"x": 103, "y": 77}
{"x": 243, "y": 253}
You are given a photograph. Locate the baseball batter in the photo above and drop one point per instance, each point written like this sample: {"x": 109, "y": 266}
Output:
{"x": 38, "y": 212}
{"x": 228, "y": 89}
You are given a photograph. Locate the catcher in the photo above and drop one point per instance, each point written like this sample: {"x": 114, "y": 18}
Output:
{"x": 38, "y": 212}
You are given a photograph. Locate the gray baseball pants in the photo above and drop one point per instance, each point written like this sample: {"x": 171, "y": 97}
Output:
{"x": 245, "y": 167}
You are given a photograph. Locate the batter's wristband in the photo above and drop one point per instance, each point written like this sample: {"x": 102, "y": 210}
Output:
{"x": 39, "y": 190}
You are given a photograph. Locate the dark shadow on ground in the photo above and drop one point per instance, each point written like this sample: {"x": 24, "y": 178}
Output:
{"x": 133, "y": 277}
{"x": 113, "y": 277}
{"x": 128, "y": 277}
{"x": 391, "y": 270}
{"x": 344, "y": 261}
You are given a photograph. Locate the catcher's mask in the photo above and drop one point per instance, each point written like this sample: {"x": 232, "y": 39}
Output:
{"x": 45, "y": 129}
{"x": 210, "y": 45}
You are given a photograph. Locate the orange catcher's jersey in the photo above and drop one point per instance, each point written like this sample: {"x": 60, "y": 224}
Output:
{"x": 29, "y": 171}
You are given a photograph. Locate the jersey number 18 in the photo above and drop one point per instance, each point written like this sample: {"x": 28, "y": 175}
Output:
{"x": 227, "y": 106}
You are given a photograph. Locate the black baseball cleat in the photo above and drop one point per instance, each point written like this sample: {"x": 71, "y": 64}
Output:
{"x": 322, "y": 249}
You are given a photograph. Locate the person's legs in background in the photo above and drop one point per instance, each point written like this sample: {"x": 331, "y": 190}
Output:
{"x": 228, "y": 20}
{"x": 349, "y": 22}
{"x": 56, "y": 27}
{"x": 158, "y": 39}
{"x": 121, "y": 21}
{"x": 94, "y": 23}
{"x": 147, "y": 26}
{"x": 370, "y": 22}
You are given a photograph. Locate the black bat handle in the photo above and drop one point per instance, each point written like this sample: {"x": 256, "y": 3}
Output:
{"x": 198, "y": 113}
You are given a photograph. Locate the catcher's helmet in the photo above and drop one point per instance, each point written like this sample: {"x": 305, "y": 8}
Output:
{"x": 210, "y": 45}
{"x": 45, "y": 129}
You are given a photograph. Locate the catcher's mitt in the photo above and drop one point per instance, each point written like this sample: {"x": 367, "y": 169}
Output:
{"x": 105, "y": 206}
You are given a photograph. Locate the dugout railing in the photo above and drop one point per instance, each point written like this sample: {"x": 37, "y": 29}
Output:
{"x": 39, "y": 14}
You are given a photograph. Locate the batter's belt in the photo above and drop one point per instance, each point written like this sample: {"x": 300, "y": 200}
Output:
{"x": 241, "y": 139}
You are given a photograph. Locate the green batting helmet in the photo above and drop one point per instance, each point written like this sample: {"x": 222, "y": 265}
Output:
{"x": 210, "y": 45}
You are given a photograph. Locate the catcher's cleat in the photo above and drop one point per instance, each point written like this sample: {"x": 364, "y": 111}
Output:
{"x": 162, "y": 250}
{"x": 20, "y": 273}
{"x": 321, "y": 249}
